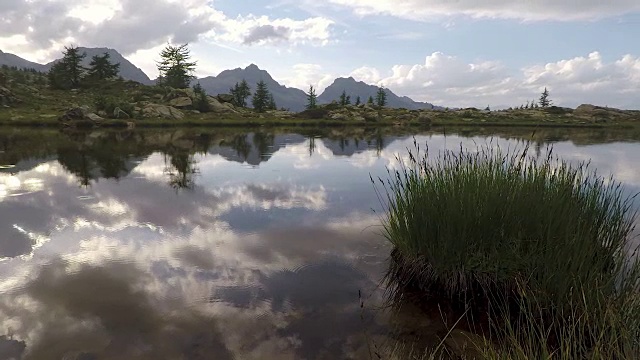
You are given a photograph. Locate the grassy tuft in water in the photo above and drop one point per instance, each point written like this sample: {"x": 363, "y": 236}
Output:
{"x": 536, "y": 248}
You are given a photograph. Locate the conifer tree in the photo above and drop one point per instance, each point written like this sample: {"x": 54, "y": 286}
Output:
{"x": 272, "y": 103}
{"x": 68, "y": 72}
{"x": 381, "y": 97}
{"x": 101, "y": 67}
{"x": 175, "y": 68}
{"x": 241, "y": 91}
{"x": 312, "y": 98}
{"x": 260, "y": 99}
{"x": 544, "y": 99}
{"x": 358, "y": 102}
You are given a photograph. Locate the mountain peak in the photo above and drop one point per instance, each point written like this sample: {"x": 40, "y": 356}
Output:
{"x": 252, "y": 67}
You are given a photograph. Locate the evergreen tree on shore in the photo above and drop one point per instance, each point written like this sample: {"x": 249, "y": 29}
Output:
{"x": 101, "y": 67}
{"x": 312, "y": 98}
{"x": 175, "y": 68}
{"x": 261, "y": 97}
{"x": 68, "y": 72}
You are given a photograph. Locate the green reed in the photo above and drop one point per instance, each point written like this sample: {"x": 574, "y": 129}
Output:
{"x": 541, "y": 246}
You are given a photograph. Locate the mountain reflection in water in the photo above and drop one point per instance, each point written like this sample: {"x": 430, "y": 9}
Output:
{"x": 185, "y": 244}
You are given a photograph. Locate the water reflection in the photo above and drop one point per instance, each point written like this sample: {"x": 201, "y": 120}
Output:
{"x": 261, "y": 253}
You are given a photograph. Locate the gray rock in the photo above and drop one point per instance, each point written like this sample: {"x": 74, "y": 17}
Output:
{"x": 218, "y": 107}
{"x": 161, "y": 111}
{"x": 181, "y": 102}
{"x": 338, "y": 116}
{"x": 225, "y": 98}
{"x": 120, "y": 114}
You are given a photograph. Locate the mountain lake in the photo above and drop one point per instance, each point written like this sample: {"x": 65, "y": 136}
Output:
{"x": 221, "y": 243}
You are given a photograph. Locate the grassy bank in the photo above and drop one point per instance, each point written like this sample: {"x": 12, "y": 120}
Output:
{"x": 532, "y": 252}
{"x": 36, "y": 105}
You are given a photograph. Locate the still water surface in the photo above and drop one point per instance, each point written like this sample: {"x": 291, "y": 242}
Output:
{"x": 184, "y": 244}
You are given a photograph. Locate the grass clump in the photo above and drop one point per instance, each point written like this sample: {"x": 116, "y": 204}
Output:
{"x": 534, "y": 248}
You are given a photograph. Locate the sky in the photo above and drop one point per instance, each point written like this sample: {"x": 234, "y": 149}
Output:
{"x": 459, "y": 53}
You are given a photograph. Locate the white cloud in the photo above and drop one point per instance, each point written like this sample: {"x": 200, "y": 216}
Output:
{"x": 264, "y": 30}
{"x": 450, "y": 81}
{"x": 134, "y": 25}
{"x": 422, "y": 10}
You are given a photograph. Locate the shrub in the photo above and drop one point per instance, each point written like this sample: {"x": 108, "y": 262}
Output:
{"x": 540, "y": 242}
{"x": 316, "y": 113}
{"x": 108, "y": 105}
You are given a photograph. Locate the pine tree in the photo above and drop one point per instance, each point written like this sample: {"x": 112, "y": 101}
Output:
{"x": 345, "y": 99}
{"x": 312, "y": 98}
{"x": 272, "y": 103}
{"x": 527, "y": 106}
{"x": 101, "y": 68}
{"x": 370, "y": 101}
{"x": 544, "y": 99}
{"x": 358, "y": 102}
{"x": 241, "y": 91}
{"x": 175, "y": 69}
{"x": 381, "y": 97}
{"x": 261, "y": 97}
{"x": 201, "y": 102}
{"x": 68, "y": 72}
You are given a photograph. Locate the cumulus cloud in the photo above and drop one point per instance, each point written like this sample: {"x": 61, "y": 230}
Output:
{"x": 450, "y": 81}
{"x": 39, "y": 28}
{"x": 265, "y": 33}
{"x": 253, "y": 29}
{"x": 506, "y": 9}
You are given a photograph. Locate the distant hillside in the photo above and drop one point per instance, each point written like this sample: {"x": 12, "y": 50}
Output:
{"x": 127, "y": 70}
{"x": 14, "y": 60}
{"x": 358, "y": 88}
{"x": 290, "y": 98}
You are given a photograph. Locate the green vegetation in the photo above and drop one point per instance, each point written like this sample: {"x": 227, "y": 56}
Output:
{"x": 312, "y": 98}
{"x": 535, "y": 247}
{"x": 175, "y": 69}
{"x": 381, "y": 98}
{"x": 201, "y": 103}
{"x": 102, "y": 69}
{"x": 344, "y": 99}
{"x": 544, "y": 99}
{"x": 240, "y": 92}
{"x": 261, "y": 97}
{"x": 68, "y": 72}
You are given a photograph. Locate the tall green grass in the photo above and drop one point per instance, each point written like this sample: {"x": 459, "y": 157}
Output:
{"x": 539, "y": 247}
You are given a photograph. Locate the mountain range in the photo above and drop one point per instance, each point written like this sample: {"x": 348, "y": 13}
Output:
{"x": 285, "y": 97}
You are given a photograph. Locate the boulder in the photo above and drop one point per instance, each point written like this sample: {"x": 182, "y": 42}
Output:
{"x": 181, "y": 102}
{"x": 218, "y": 107}
{"x": 338, "y": 116}
{"x": 161, "y": 111}
{"x": 80, "y": 117}
{"x": 225, "y": 98}
{"x": 179, "y": 93}
{"x": 120, "y": 114}
{"x": 6, "y": 97}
